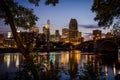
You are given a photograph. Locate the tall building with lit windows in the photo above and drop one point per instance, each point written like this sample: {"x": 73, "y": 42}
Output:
{"x": 46, "y": 31}
{"x": 65, "y": 35}
{"x": 57, "y": 35}
{"x": 109, "y": 35}
{"x": 73, "y": 30}
{"x": 65, "y": 32}
{"x": 97, "y": 34}
{"x": 79, "y": 34}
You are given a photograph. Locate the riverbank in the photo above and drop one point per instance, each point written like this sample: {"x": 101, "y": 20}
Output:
{"x": 9, "y": 50}
{"x": 13, "y": 50}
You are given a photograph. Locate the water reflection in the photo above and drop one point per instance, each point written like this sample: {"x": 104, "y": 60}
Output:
{"x": 119, "y": 59}
{"x": 106, "y": 70}
{"x": 7, "y": 59}
{"x": 114, "y": 69}
{"x": 68, "y": 62}
{"x": 9, "y": 62}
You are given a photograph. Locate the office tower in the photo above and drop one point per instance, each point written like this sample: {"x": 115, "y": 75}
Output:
{"x": 109, "y": 35}
{"x": 65, "y": 35}
{"x": 97, "y": 34}
{"x": 79, "y": 34}
{"x": 57, "y": 35}
{"x": 46, "y": 31}
{"x": 34, "y": 29}
{"x": 65, "y": 32}
{"x": 73, "y": 30}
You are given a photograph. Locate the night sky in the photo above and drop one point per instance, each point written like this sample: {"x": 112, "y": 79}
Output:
{"x": 61, "y": 14}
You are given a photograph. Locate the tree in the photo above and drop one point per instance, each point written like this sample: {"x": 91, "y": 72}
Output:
{"x": 18, "y": 16}
{"x": 116, "y": 29}
{"x": 107, "y": 11}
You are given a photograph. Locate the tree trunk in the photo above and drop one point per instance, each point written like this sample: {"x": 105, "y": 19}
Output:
{"x": 9, "y": 16}
{"x": 17, "y": 38}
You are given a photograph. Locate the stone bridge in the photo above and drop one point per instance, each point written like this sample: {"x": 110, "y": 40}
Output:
{"x": 101, "y": 45}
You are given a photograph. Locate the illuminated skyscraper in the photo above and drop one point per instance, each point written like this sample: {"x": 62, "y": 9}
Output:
{"x": 79, "y": 36}
{"x": 109, "y": 35}
{"x": 46, "y": 31}
{"x": 65, "y": 35}
{"x": 34, "y": 29}
{"x": 73, "y": 30}
{"x": 65, "y": 32}
{"x": 57, "y": 35}
{"x": 97, "y": 34}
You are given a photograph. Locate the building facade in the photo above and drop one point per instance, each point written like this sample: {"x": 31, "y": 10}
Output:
{"x": 46, "y": 31}
{"x": 73, "y": 30}
{"x": 57, "y": 36}
{"x": 109, "y": 35}
{"x": 65, "y": 35}
{"x": 97, "y": 34}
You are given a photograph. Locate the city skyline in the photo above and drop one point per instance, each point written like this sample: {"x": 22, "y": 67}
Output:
{"x": 61, "y": 14}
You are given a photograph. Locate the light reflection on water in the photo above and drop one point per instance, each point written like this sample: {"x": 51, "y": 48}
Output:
{"x": 68, "y": 60}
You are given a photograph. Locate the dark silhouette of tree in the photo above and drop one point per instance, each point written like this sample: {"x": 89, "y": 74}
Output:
{"x": 116, "y": 29}
{"x": 107, "y": 11}
{"x": 18, "y": 16}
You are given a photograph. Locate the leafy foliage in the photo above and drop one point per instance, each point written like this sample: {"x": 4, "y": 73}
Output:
{"x": 53, "y": 2}
{"x": 22, "y": 16}
{"x": 116, "y": 29}
{"x": 106, "y": 11}
{"x": 36, "y": 2}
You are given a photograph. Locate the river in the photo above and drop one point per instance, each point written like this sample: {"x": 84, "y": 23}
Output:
{"x": 67, "y": 60}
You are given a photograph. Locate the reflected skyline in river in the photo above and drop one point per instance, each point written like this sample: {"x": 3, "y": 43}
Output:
{"x": 70, "y": 61}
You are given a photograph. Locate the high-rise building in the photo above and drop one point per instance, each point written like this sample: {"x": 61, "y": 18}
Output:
{"x": 34, "y": 29}
{"x": 46, "y": 31}
{"x": 65, "y": 35}
{"x": 73, "y": 30}
{"x": 79, "y": 34}
{"x": 57, "y": 35}
{"x": 65, "y": 32}
{"x": 80, "y": 38}
{"x": 109, "y": 35}
{"x": 97, "y": 34}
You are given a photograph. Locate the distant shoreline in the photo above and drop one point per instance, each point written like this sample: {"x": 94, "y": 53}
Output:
{"x": 12, "y": 50}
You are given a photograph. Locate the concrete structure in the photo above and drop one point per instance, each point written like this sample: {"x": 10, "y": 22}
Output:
{"x": 46, "y": 31}
{"x": 97, "y": 34}
{"x": 34, "y": 29}
{"x": 65, "y": 32}
{"x": 109, "y": 35}
{"x": 73, "y": 30}
{"x": 65, "y": 35}
{"x": 101, "y": 45}
{"x": 57, "y": 36}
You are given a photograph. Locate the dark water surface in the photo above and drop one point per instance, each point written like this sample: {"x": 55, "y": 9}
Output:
{"x": 67, "y": 60}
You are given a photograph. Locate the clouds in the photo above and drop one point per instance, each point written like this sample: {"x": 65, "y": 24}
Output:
{"x": 89, "y": 26}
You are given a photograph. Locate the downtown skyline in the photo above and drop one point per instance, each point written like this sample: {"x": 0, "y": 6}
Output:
{"x": 61, "y": 14}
